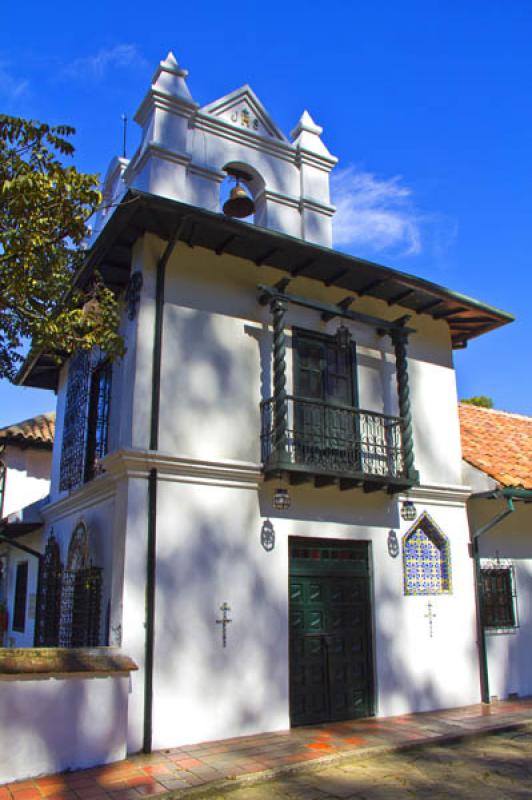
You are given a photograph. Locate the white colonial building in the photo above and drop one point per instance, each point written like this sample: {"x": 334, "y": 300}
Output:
{"x": 228, "y": 502}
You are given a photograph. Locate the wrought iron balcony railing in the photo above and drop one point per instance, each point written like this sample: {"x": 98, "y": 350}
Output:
{"x": 330, "y": 439}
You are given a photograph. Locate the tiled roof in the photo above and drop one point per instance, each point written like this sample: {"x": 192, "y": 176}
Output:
{"x": 498, "y": 443}
{"x": 37, "y": 430}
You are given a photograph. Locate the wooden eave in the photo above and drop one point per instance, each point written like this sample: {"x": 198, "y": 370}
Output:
{"x": 140, "y": 213}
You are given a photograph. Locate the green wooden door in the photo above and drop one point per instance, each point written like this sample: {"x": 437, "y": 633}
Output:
{"x": 331, "y": 675}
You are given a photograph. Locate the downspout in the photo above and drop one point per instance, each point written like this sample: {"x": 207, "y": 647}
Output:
{"x": 481, "y": 634}
{"x": 152, "y": 488}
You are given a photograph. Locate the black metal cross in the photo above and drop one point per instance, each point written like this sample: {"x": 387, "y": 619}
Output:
{"x": 430, "y": 615}
{"x": 224, "y": 622}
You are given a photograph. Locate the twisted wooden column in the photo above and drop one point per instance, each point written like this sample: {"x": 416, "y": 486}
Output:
{"x": 280, "y": 409}
{"x": 399, "y": 339}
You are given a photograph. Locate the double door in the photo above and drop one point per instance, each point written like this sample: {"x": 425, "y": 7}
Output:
{"x": 331, "y": 674}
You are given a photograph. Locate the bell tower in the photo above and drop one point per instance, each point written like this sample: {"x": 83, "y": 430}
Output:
{"x": 187, "y": 151}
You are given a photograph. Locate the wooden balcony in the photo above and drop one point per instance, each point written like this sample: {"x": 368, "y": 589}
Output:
{"x": 331, "y": 444}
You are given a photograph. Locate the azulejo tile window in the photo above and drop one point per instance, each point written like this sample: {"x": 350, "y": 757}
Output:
{"x": 426, "y": 558}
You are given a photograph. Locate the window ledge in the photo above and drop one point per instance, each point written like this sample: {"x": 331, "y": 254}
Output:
{"x": 60, "y": 661}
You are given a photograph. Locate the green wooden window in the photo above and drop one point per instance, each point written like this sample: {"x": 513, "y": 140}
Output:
{"x": 498, "y": 597}
{"x": 21, "y": 590}
{"x": 323, "y": 370}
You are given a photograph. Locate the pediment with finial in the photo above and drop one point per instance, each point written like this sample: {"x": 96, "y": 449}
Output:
{"x": 243, "y": 110}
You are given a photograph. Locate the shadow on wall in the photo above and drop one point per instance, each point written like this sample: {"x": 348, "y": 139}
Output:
{"x": 421, "y": 676}
{"x": 191, "y": 661}
{"x": 208, "y": 380}
{"x": 55, "y": 724}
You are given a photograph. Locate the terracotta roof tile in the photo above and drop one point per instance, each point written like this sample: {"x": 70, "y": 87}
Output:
{"x": 498, "y": 443}
{"x": 37, "y": 430}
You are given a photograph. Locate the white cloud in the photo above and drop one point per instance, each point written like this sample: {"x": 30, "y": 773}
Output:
{"x": 377, "y": 214}
{"x": 95, "y": 67}
{"x": 10, "y": 86}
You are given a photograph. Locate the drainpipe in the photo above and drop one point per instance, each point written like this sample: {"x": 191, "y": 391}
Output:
{"x": 152, "y": 488}
{"x": 481, "y": 634}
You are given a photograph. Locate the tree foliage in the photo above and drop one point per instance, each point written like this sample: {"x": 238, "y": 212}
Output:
{"x": 481, "y": 400}
{"x": 45, "y": 206}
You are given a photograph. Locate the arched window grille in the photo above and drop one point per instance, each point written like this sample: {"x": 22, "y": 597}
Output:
{"x": 80, "y": 595}
{"x": 49, "y": 600}
{"x": 426, "y": 559}
{"x": 69, "y": 600}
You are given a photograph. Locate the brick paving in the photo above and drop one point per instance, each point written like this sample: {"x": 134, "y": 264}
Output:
{"x": 213, "y": 764}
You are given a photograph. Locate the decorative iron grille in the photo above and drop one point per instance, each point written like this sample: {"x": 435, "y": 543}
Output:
{"x": 332, "y": 439}
{"x": 75, "y": 422}
{"x": 81, "y": 608}
{"x": 49, "y": 597}
{"x": 498, "y": 597}
{"x": 86, "y": 611}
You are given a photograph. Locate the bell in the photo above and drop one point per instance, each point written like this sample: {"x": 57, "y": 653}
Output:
{"x": 239, "y": 204}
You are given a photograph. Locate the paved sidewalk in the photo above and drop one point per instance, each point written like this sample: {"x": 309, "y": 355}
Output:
{"x": 254, "y": 757}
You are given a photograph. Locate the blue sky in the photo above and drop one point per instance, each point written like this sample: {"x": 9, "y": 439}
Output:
{"x": 426, "y": 104}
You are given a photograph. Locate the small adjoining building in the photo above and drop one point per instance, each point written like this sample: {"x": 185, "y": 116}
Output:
{"x": 25, "y": 467}
{"x": 262, "y": 503}
{"x": 497, "y": 451}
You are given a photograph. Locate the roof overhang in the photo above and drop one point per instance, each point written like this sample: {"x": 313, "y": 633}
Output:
{"x": 25, "y": 442}
{"x": 14, "y": 530}
{"x": 139, "y": 213}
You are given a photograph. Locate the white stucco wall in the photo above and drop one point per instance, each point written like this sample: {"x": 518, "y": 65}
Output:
{"x": 209, "y": 552}
{"x": 216, "y": 363}
{"x": 509, "y": 650}
{"x": 27, "y": 476}
{"x": 51, "y": 724}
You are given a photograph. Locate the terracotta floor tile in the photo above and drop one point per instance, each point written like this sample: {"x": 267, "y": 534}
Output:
{"x": 79, "y": 781}
{"x": 50, "y": 780}
{"x": 195, "y": 780}
{"x": 139, "y": 780}
{"x": 125, "y": 794}
{"x": 156, "y": 769}
{"x": 93, "y": 793}
{"x": 112, "y": 787}
{"x": 156, "y": 788}
{"x": 186, "y": 763}
{"x": 20, "y": 786}
{"x": 52, "y": 788}
{"x": 27, "y": 794}
{"x": 63, "y": 796}
{"x": 319, "y": 746}
{"x": 356, "y": 740}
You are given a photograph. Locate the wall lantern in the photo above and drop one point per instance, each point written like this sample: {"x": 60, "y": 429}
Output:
{"x": 408, "y": 511}
{"x": 343, "y": 337}
{"x": 281, "y": 499}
